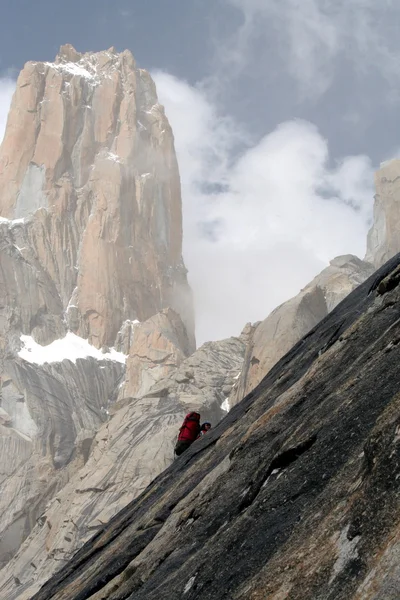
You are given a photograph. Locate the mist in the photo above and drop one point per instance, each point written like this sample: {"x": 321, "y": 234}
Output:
{"x": 266, "y": 206}
{"x": 261, "y": 223}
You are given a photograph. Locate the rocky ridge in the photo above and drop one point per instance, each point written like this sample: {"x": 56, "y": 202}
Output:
{"x": 384, "y": 236}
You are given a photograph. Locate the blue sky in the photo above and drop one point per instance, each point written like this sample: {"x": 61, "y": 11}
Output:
{"x": 188, "y": 38}
{"x": 281, "y": 112}
{"x": 170, "y": 35}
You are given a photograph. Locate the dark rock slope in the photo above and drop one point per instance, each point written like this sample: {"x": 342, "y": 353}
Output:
{"x": 294, "y": 495}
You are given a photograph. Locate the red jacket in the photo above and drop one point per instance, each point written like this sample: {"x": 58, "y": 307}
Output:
{"x": 190, "y": 428}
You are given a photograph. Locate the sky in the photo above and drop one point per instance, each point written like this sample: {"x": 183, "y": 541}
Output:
{"x": 281, "y": 112}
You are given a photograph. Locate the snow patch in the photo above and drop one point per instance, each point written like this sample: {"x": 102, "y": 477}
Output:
{"x": 347, "y": 551}
{"x": 71, "y": 347}
{"x": 225, "y": 405}
{"x": 11, "y": 222}
{"x": 75, "y": 69}
{"x": 113, "y": 157}
{"x": 189, "y": 585}
{"x": 152, "y": 109}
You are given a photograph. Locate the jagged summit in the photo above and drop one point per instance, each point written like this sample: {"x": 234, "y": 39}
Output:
{"x": 93, "y": 66}
{"x": 68, "y": 53}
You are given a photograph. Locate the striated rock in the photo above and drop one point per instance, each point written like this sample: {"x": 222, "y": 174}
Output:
{"x": 159, "y": 346}
{"x": 384, "y": 235}
{"x": 90, "y": 201}
{"x": 202, "y": 379}
{"x": 126, "y": 454}
{"x": 29, "y": 301}
{"x": 53, "y": 411}
{"x": 294, "y": 495}
{"x": 288, "y": 323}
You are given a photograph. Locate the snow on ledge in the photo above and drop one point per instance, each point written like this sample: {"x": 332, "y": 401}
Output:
{"x": 11, "y": 222}
{"x": 225, "y": 405}
{"x": 71, "y": 347}
{"x": 113, "y": 157}
{"x": 76, "y": 69}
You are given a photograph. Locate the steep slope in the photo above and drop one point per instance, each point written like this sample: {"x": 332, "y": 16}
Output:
{"x": 295, "y": 495}
{"x": 288, "y": 323}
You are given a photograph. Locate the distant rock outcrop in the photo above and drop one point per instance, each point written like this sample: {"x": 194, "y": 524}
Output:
{"x": 288, "y": 323}
{"x": 159, "y": 346}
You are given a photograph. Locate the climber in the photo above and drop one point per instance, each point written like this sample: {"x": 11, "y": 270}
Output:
{"x": 188, "y": 432}
{"x": 204, "y": 428}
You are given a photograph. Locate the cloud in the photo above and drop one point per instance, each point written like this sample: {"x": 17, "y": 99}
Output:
{"x": 259, "y": 223}
{"x": 308, "y": 38}
{"x": 7, "y": 87}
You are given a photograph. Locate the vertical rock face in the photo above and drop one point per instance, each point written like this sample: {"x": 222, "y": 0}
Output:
{"x": 90, "y": 197}
{"x": 384, "y": 236}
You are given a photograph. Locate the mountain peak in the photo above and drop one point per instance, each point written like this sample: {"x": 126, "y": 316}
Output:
{"x": 83, "y": 162}
{"x": 68, "y": 52}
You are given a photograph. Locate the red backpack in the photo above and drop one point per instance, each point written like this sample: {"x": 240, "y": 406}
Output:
{"x": 190, "y": 428}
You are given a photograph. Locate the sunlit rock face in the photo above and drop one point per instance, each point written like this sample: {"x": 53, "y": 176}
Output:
{"x": 159, "y": 346}
{"x": 90, "y": 202}
{"x": 384, "y": 236}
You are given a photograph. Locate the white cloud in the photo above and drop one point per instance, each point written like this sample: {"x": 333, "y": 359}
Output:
{"x": 311, "y": 35}
{"x": 258, "y": 227}
{"x": 7, "y": 87}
